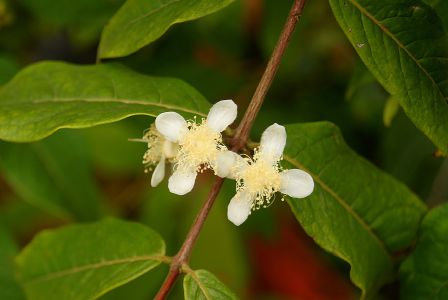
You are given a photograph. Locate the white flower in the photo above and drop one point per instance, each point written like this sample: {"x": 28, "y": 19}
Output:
{"x": 200, "y": 145}
{"x": 258, "y": 179}
{"x": 159, "y": 150}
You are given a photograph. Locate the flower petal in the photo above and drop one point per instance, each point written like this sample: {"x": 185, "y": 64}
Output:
{"x": 296, "y": 183}
{"x": 171, "y": 125}
{"x": 225, "y": 162}
{"x": 273, "y": 141}
{"x": 239, "y": 208}
{"x": 181, "y": 183}
{"x": 221, "y": 115}
{"x": 159, "y": 172}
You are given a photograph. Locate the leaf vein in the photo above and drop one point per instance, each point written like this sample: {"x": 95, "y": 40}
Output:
{"x": 383, "y": 28}
{"x": 116, "y": 100}
{"x": 343, "y": 204}
{"x": 93, "y": 266}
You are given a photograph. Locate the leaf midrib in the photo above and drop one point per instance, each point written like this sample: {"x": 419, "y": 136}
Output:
{"x": 340, "y": 200}
{"x": 383, "y": 28}
{"x": 114, "y": 100}
{"x": 150, "y": 13}
{"x": 93, "y": 266}
{"x": 201, "y": 286}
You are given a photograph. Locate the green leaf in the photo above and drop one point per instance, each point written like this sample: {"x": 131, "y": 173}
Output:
{"x": 391, "y": 108}
{"x": 404, "y": 45}
{"x": 52, "y": 95}
{"x": 86, "y": 261}
{"x": 140, "y": 22}
{"x": 356, "y": 212}
{"x": 142, "y": 288}
{"x": 51, "y": 178}
{"x": 9, "y": 287}
{"x": 424, "y": 274}
{"x": 202, "y": 284}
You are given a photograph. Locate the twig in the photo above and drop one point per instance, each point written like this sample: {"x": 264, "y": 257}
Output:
{"x": 242, "y": 132}
{"x": 239, "y": 140}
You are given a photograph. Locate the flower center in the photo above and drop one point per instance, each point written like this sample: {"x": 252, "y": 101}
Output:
{"x": 198, "y": 148}
{"x": 261, "y": 179}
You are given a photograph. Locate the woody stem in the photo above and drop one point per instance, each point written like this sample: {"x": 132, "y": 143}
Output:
{"x": 239, "y": 140}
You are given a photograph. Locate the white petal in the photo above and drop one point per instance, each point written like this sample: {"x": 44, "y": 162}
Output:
{"x": 181, "y": 183}
{"x": 225, "y": 162}
{"x": 221, "y": 115}
{"x": 273, "y": 141}
{"x": 239, "y": 208}
{"x": 170, "y": 149}
{"x": 159, "y": 172}
{"x": 296, "y": 183}
{"x": 171, "y": 125}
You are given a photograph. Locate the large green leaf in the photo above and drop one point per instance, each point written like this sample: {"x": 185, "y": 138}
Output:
{"x": 85, "y": 261}
{"x": 424, "y": 274}
{"x": 139, "y": 22}
{"x": 52, "y": 95}
{"x": 203, "y": 285}
{"x": 48, "y": 176}
{"x": 9, "y": 287}
{"x": 356, "y": 212}
{"x": 404, "y": 45}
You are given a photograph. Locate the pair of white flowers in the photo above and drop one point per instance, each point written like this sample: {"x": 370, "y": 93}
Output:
{"x": 193, "y": 147}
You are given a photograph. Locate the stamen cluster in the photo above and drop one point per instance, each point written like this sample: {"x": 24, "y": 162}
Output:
{"x": 155, "y": 146}
{"x": 199, "y": 148}
{"x": 260, "y": 179}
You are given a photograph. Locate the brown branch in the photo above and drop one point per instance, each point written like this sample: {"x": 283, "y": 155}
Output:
{"x": 238, "y": 141}
{"x": 242, "y": 132}
{"x": 184, "y": 253}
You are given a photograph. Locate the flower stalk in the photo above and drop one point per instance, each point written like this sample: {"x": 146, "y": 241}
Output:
{"x": 237, "y": 143}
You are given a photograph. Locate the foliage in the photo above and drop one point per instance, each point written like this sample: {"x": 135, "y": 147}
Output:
{"x": 372, "y": 162}
{"x": 424, "y": 273}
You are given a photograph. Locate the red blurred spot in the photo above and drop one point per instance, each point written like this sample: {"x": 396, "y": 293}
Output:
{"x": 290, "y": 266}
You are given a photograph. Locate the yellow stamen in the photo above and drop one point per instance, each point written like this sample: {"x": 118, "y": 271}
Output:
{"x": 199, "y": 148}
{"x": 155, "y": 147}
{"x": 261, "y": 179}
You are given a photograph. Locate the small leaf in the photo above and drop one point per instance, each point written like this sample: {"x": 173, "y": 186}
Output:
{"x": 203, "y": 285}
{"x": 356, "y": 212}
{"x": 85, "y": 261}
{"x": 9, "y": 287}
{"x": 140, "y": 22}
{"x": 404, "y": 45}
{"x": 424, "y": 274}
{"x": 51, "y": 178}
{"x": 52, "y": 95}
{"x": 391, "y": 108}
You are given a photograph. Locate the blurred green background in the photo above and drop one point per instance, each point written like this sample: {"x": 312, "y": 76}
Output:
{"x": 222, "y": 56}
